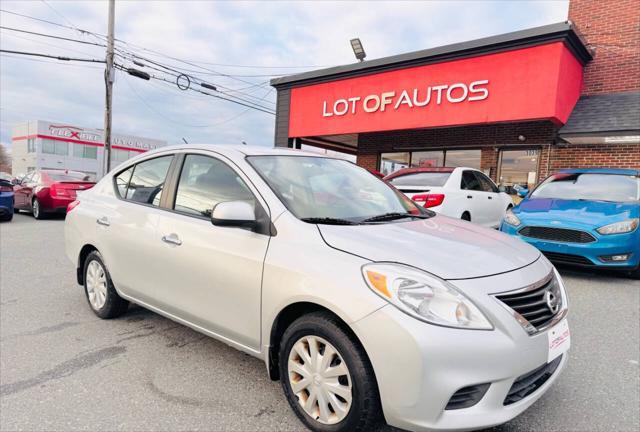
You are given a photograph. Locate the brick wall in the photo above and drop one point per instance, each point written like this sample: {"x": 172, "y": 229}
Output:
{"x": 368, "y": 161}
{"x": 587, "y": 156}
{"x": 612, "y": 29}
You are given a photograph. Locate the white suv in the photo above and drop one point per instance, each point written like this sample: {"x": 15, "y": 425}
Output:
{"x": 463, "y": 193}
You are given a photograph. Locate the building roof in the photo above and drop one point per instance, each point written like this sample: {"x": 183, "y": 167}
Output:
{"x": 564, "y": 31}
{"x": 604, "y": 113}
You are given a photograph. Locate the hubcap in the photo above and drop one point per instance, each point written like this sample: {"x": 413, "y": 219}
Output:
{"x": 36, "y": 208}
{"x": 320, "y": 379}
{"x": 96, "y": 285}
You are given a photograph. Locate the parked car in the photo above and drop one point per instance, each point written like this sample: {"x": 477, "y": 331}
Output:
{"x": 364, "y": 304}
{"x": 463, "y": 193}
{"x": 583, "y": 217}
{"x": 49, "y": 191}
{"x": 5, "y": 176}
{"x": 6, "y": 200}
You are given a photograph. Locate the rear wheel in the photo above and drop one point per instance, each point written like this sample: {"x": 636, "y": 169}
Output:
{"x": 327, "y": 377}
{"x": 466, "y": 216}
{"x": 37, "y": 211}
{"x": 101, "y": 295}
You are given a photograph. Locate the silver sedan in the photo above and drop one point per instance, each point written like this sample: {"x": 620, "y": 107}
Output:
{"x": 366, "y": 306}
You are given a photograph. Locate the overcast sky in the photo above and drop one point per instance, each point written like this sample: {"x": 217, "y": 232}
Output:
{"x": 277, "y": 36}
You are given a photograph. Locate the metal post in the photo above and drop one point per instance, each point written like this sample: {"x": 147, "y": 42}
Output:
{"x": 108, "y": 80}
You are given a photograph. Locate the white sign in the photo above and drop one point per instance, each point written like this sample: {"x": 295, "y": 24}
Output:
{"x": 452, "y": 93}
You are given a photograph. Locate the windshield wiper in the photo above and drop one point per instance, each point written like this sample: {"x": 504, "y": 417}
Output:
{"x": 394, "y": 216}
{"x": 328, "y": 221}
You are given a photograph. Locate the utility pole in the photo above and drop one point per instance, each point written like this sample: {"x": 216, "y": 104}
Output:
{"x": 108, "y": 81}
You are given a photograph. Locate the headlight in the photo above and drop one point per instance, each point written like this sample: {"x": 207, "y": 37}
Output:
{"x": 423, "y": 296}
{"x": 511, "y": 218}
{"x": 619, "y": 227}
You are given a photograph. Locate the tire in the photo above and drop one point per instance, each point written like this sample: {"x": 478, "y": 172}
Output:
{"x": 635, "y": 274}
{"x": 37, "y": 211}
{"x": 466, "y": 216}
{"x": 102, "y": 297}
{"x": 326, "y": 332}
{"x": 7, "y": 218}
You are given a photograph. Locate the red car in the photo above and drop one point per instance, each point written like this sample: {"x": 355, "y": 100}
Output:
{"x": 49, "y": 191}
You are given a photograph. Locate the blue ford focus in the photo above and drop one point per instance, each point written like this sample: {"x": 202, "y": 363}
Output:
{"x": 584, "y": 217}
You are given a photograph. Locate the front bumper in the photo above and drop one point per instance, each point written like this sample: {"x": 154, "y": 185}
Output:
{"x": 420, "y": 366}
{"x": 591, "y": 253}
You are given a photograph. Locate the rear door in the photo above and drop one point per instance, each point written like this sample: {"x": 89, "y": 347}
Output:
{"x": 126, "y": 227}
{"x": 211, "y": 275}
{"x": 476, "y": 201}
{"x": 22, "y": 191}
{"x": 491, "y": 194}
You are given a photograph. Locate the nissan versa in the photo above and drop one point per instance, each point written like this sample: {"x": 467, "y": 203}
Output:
{"x": 366, "y": 306}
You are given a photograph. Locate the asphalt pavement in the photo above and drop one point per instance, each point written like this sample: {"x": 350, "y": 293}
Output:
{"x": 62, "y": 368}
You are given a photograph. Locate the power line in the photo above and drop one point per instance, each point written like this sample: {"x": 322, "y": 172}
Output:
{"x": 68, "y": 20}
{"x": 48, "y": 44}
{"x": 51, "y": 36}
{"x": 52, "y": 56}
{"x": 18, "y": 57}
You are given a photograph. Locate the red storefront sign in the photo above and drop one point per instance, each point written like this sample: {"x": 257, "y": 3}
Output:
{"x": 541, "y": 82}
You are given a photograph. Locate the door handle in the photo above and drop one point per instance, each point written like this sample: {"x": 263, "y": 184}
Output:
{"x": 104, "y": 221}
{"x": 490, "y": 197}
{"x": 172, "y": 239}
{"x": 469, "y": 196}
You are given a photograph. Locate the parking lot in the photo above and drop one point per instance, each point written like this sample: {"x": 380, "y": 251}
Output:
{"x": 64, "y": 369}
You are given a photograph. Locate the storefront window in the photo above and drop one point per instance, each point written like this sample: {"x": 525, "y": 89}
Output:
{"x": 55, "y": 147}
{"x": 391, "y": 162}
{"x": 85, "y": 151}
{"x": 31, "y": 145}
{"x": 463, "y": 158}
{"x": 519, "y": 168}
{"x": 427, "y": 159}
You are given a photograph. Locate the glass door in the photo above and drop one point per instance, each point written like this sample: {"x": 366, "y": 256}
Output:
{"x": 518, "y": 170}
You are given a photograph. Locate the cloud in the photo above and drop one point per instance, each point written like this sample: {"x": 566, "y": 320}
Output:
{"x": 241, "y": 33}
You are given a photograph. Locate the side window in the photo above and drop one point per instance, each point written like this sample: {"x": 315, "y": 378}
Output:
{"x": 470, "y": 181}
{"x": 122, "y": 182}
{"x": 205, "y": 182}
{"x": 147, "y": 180}
{"x": 485, "y": 182}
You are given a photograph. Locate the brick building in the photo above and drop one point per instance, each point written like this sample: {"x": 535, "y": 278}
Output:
{"x": 517, "y": 106}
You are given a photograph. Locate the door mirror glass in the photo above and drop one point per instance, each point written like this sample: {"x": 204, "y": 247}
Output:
{"x": 234, "y": 214}
{"x": 523, "y": 192}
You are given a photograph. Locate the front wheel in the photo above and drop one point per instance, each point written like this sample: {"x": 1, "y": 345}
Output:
{"x": 101, "y": 295}
{"x": 635, "y": 274}
{"x": 327, "y": 377}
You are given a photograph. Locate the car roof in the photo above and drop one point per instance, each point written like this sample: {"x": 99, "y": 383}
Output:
{"x": 247, "y": 150}
{"x": 619, "y": 171}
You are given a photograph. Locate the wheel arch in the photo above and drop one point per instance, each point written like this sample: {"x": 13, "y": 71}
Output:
{"x": 82, "y": 256}
{"x": 285, "y": 318}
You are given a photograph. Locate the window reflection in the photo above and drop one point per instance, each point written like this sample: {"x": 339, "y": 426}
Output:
{"x": 148, "y": 180}
{"x": 205, "y": 182}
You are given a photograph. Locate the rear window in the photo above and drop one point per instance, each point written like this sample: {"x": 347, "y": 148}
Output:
{"x": 68, "y": 176}
{"x": 590, "y": 187}
{"x": 421, "y": 179}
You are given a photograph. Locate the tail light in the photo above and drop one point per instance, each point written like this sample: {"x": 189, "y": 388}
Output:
{"x": 56, "y": 190}
{"x": 429, "y": 200}
{"x": 4, "y": 188}
{"x": 72, "y": 205}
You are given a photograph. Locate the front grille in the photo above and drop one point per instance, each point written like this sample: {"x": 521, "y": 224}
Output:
{"x": 567, "y": 258}
{"x": 467, "y": 397}
{"x": 538, "y": 306}
{"x": 527, "y": 384}
{"x": 557, "y": 234}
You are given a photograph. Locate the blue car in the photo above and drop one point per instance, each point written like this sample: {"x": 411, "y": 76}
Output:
{"x": 584, "y": 217}
{"x": 6, "y": 200}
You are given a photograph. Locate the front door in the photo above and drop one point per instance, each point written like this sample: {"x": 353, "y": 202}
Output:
{"x": 210, "y": 275}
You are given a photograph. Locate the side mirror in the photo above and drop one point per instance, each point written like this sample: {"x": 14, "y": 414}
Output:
{"x": 234, "y": 214}
{"x": 523, "y": 193}
{"x": 502, "y": 189}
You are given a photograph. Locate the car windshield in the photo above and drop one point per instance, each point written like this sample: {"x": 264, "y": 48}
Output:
{"x": 590, "y": 187}
{"x": 68, "y": 176}
{"x": 317, "y": 189}
{"x": 421, "y": 179}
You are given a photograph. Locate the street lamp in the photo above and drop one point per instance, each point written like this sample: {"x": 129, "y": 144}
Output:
{"x": 358, "y": 50}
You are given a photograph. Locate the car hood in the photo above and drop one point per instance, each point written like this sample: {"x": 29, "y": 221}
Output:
{"x": 448, "y": 248}
{"x": 584, "y": 214}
